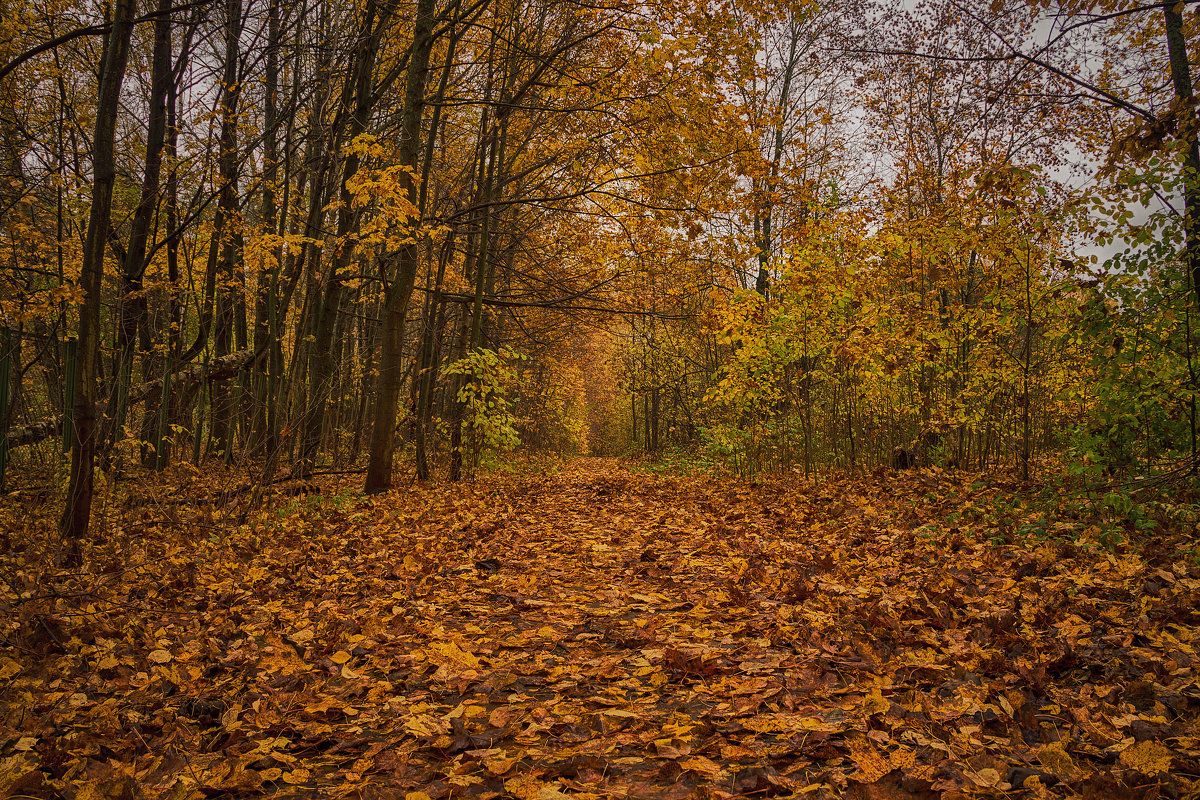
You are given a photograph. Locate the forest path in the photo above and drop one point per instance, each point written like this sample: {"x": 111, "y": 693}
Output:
{"x": 596, "y": 632}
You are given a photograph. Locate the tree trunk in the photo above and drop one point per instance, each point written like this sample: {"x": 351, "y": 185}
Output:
{"x": 763, "y": 216}
{"x": 379, "y": 465}
{"x": 230, "y": 241}
{"x": 360, "y": 97}
{"x": 77, "y": 513}
{"x": 427, "y": 373}
{"x": 1182, "y": 80}
{"x": 132, "y": 302}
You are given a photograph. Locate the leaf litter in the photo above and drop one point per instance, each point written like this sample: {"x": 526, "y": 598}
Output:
{"x": 594, "y": 633}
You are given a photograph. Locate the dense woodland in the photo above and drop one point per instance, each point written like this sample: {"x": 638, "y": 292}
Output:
{"x": 800, "y": 236}
{"x": 549, "y": 399}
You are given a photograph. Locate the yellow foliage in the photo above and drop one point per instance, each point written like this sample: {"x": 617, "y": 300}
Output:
{"x": 1148, "y": 758}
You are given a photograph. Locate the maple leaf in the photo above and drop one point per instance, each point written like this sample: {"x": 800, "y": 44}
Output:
{"x": 870, "y": 765}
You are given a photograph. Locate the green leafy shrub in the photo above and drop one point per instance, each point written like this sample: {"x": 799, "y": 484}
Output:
{"x": 489, "y": 425}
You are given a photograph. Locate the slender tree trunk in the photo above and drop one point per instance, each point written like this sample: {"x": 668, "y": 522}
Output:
{"x": 427, "y": 374}
{"x": 132, "y": 304}
{"x": 230, "y": 243}
{"x": 77, "y": 513}
{"x": 361, "y": 98}
{"x": 387, "y": 388}
{"x": 1182, "y": 80}
{"x": 173, "y": 408}
{"x": 763, "y": 216}
{"x": 267, "y": 286}
{"x": 1026, "y": 362}
{"x": 473, "y": 265}
{"x": 427, "y": 368}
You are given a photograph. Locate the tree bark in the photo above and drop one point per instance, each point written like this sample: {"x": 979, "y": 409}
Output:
{"x": 1182, "y": 79}
{"x": 262, "y": 439}
{"x": 230, "y": 239}
{"x": 359, "y": 97}
{"x": 132, "y": 303}
{"x": 387, "y": 387}
{"x": 77, "y": 512}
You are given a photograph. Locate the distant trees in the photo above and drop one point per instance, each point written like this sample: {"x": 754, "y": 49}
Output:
{"x": 944, "y": 314}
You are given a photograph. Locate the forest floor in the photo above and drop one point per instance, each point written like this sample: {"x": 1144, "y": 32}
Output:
{"x": 597, "y": 632}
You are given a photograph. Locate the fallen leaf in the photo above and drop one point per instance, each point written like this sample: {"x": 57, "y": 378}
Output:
{"x": 1148, "y": 758}
{"x": 1057, "y": 761}
{"x": 871, "y": 765}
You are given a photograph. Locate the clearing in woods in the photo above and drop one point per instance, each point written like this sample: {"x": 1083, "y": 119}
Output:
{"x": 595, "y": 633}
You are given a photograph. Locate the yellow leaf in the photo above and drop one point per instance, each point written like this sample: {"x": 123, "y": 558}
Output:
{"x": 702, "y": 765}
{"x": 340, "y": 657}
{"x": 449, "y": 654}
{"x": 499, "y": 764}
{"x": 8, "y": 668}
{"x": 1056, "y": 761}
{"x": 871, "y": 765}
{"x": 426, "y": 725}
{"x": 903, "y": 758}
{"x": 619, "y": 713}
{"x": 523, "y": 788}
{"x": 417, "y": 796}
{"x": 875, "y": 704}
{"x": 1148, "y": 758}
{"x": 159, "y": 657}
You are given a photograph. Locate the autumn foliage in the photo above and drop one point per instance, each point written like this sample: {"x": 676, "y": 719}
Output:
{"x": 544, "y": 398}
{"x": 600, "y": 633}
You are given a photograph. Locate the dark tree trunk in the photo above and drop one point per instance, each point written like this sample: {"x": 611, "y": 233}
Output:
{"x": 1182, "y": 79}
{"x": 267, "y": 288}
{"x": 427, "y": 374}
{"x": 360, "y": 97}
{"x": 77, "y": 513}
{"x": 387, "y": 387}
{"x": 230, "y": 240}
{"x": 132, "y": 302}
